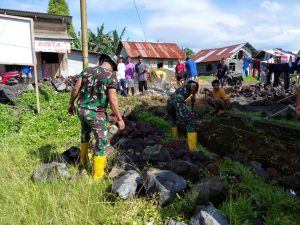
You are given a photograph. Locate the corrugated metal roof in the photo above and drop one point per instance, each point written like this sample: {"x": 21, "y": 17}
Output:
{"x": 66, "y": 19}
{"x": 216, "y": 54}
{"x": 153, "y": 50}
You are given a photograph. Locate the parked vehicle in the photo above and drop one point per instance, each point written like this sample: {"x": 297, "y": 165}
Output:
{"x": 10, "y": 77}
{"x": 234, "y": 79}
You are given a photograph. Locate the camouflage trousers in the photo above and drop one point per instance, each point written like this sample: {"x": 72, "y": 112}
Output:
{"x": 177, "y": 108}
{"x": 92, "y": 121}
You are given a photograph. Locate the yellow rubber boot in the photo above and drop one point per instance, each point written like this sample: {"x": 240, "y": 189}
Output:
{"x": 99, "y": 164}
{"x": 175, "y": 132}
{"x": 84, "y": 153}
{"x": 192, "y": 141}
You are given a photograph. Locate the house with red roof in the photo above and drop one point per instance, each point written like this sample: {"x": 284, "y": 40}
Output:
{"x": 155, "y": 54}
{"x": 207, "y": 60}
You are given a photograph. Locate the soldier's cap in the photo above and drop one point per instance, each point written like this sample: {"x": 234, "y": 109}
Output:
{"x": 112, "y": 57}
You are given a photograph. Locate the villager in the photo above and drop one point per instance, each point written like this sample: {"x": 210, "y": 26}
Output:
{"x": 95, "y": 88}
{"x": 191, "y": 69}
{"x": 141, "y": 70}
{"x": 122, "y": 83}
{"x": 27, "y": 73}
{"x": 222, "y": 71}
{"x": 217, "y": 98}
{"x": 129, "y": 75}
{"x": 177, "y": 108}
{"x": 161, "y": 75}
{"x": 179, "y": 71}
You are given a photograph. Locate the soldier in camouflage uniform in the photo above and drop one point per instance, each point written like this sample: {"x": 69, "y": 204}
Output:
{"x": 95, "y": 88}
{"x": 177, "y": 107}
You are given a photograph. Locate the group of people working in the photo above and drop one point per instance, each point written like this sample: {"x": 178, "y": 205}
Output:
{"x": 97, "y": 87}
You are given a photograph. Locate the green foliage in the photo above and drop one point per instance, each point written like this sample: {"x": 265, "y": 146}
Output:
{"x": 239, "y": 210}
{"x": 250, "y": 79}
{"x": 188, "y": 52}
{"x": 8, "y": 120}
{"x": 60, "y": 7}
{"x": 272, "y": 199}
{"x": 104, "y": 42}
{"x": 159, "y": 122}
{"x": 100, "y": 41}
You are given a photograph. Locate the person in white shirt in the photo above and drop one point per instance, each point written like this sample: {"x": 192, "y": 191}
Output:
{"x": 122, "y": 84}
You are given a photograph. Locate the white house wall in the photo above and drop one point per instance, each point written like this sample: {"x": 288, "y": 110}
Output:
{"x": 75, "y": 62}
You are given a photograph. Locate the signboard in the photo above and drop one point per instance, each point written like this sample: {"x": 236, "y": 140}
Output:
{"x": 16, "y": 35}
{"x": 53, "y": 46}
{"x": 17, "y": 45}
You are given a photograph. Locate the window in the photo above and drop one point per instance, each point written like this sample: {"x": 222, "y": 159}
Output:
{"x": 208, "y": 67}
{"x": 170, "y": 64}
{"x": 160, "y": 65}
{"x": 232, "y": 67}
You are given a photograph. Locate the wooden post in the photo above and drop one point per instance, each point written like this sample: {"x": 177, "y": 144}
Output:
{"x": 36, "y": 88}
{"x": 38, "y": 109}
{"x": 85, "y": 57}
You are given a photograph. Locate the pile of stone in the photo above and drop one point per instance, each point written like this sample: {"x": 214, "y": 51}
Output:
{"x": 260, "y": 91}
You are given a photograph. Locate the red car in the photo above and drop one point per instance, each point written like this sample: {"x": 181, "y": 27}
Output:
{"x": 6, "y": 76}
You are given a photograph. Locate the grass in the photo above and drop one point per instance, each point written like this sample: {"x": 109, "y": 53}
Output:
{"x": 27, "y": 139}
{"x": 254, "y": 198}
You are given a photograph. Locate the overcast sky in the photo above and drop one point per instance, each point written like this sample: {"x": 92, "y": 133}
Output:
{"x": 197, "y": 24}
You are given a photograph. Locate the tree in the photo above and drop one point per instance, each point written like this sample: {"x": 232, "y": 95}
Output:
{"x": 104, "y": 42}
{"x": 60, "y": 7}
{"x": 188, "y": 52}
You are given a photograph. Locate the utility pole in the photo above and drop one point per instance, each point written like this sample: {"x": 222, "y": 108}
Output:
{"x": 85, "y": 53}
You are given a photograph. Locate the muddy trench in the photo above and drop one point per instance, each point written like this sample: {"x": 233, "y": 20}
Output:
{"x": 243, "y": 138}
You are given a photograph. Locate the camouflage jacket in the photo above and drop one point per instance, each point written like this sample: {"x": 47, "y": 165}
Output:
{"x": 93, "y": 94}
{"x": 184, "y": 91}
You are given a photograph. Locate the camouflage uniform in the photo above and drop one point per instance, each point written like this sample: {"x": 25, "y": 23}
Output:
{"x": 92, "y": 104}
{"x": 177, "y": 107}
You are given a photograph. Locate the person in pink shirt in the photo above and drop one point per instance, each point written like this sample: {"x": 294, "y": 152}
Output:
{"x": 129, "y": 75}
{"x": 179, "y": 70}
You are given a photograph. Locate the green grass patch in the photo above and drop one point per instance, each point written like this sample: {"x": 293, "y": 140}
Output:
{"x": 250, "y": 79}
{"x": 258, "y": 199}
{"x": 159, "y": 122}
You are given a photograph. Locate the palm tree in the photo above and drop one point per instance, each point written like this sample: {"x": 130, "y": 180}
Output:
{"x": 101, "y": 41}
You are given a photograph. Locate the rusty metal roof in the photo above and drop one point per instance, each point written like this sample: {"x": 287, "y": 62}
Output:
{"x": 216, "y": 54}
{"x": 152, "y": 50}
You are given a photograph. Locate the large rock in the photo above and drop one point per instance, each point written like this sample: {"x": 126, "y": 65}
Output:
{"x": 126, "y": 185}
{"x": 208, "y": 215}
{"x": 164, "y": 182}
{"x": 71, "y": 155}
{"x": 210, "y": 189}
{"x": 184, "y": 168}
{"x": 59, "y": 85}
{"x": 257, "y": 166}
{"x": 49, "y": 171}
{"x": 116, "y": 171}
{"x": 156, "y": 154}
